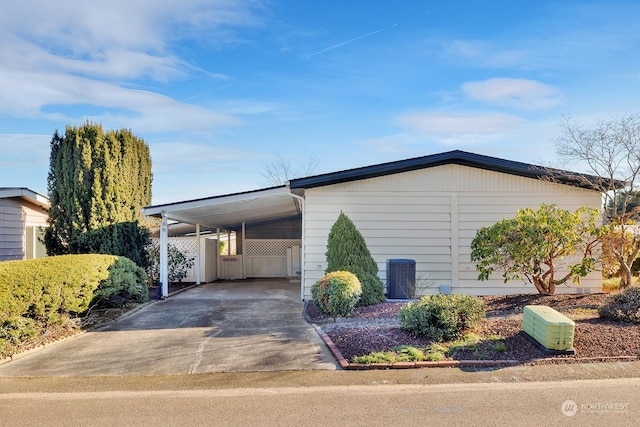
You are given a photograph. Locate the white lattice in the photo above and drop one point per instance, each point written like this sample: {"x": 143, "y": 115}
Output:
{"x": 186, "y": 245}
{"x": 268, "y": 247}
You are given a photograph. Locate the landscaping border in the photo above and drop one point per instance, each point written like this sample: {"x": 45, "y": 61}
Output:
{"x": 346, "y": 365}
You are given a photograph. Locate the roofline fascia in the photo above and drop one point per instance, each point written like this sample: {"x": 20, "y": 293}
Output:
{"x": 452, "y": 157}
{"x": 156, "y": 210}
{"x": 26, "y": 194}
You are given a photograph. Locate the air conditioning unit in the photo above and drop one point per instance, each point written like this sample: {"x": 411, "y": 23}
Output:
{"x": 401, "y": 278}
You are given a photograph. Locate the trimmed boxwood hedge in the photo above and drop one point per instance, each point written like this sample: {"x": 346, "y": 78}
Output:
{"x": 35, "y": 294}
{"x": 337, "y": 293}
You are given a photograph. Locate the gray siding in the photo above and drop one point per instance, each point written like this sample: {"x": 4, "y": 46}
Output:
{"x": 15, "y": 216}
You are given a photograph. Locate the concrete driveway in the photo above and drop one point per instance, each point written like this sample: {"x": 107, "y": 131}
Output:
{"x": 252, "y": 325}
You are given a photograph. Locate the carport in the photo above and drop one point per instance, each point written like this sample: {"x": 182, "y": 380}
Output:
{"x": 238, "y": 212}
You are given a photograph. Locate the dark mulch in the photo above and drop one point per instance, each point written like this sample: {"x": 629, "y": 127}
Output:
{"x": 594, "y": 337}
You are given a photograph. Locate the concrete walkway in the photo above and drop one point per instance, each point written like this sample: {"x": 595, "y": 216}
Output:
{"x": 218, "y": 327}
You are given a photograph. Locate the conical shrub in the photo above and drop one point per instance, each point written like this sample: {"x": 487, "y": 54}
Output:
{"x": 347, "y": 251}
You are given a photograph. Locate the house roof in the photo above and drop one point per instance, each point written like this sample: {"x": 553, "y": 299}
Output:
{"x": 456, "y": 157}
{"x": 25, "y": 194}
{"x": 228, "y": 211}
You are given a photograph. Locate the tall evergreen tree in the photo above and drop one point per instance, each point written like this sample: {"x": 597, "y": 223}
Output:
{"x": 98, "y": 182}
{"x": 347, "y": 250}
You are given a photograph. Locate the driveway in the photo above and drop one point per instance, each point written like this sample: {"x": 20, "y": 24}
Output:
{"x": 254, "y": 325}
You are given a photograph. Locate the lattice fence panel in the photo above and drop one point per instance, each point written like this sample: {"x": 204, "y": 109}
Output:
{"x": 269, "y": 247}
{"x": 186, "y": 245}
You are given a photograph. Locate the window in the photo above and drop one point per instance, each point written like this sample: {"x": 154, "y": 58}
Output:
{"x": 33, "y": 242}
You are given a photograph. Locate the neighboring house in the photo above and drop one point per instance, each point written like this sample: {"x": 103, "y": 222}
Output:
{"x": 426, "y": 209}
{"x": 23, "y": 219}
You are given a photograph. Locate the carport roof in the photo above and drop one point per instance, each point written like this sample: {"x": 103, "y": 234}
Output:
{"x": 229, "y": 211}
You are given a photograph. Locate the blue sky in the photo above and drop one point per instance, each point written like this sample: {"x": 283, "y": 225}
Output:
{"x": 219, "y": 88}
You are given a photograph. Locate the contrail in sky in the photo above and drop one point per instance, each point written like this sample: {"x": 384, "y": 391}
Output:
{"x": 335, "y": 46}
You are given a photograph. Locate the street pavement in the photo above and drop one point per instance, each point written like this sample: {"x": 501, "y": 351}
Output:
{"x": 266, "y": 400}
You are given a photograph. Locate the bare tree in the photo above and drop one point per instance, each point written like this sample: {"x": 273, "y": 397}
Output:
{"x": 282, "y": 170}
{"x": 610, "y": 151}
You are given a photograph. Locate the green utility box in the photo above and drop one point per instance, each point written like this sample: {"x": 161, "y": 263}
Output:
{"x": 551, "y": 329}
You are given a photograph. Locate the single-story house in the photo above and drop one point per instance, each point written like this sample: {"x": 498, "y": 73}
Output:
{"x": 426, "y": 209}
{"x": 23, "y": 219}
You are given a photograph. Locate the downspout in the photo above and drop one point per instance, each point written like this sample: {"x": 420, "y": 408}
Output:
{"x": 302, "y": 249}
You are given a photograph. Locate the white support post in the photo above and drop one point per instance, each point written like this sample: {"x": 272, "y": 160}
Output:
{"x": 244, "y": 273}
{"x": 302, "y": 247}
{"x": 218, "y": 253}
{"x": 198, "y": 258}
{"x": 164, "y": 256}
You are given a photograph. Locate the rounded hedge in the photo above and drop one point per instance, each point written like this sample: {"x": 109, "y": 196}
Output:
{"x": 624, "y": 306}
{"x": 337, "y": 293}
{"x": 38, "y": 293}
{"x": 442, "y": 317}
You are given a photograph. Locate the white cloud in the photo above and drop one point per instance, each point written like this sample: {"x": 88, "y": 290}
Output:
{"x": 485, "y": 54}
{"x": 24, "y": 95}
{"x": 78, "y": 27}
{"x": 187, "y": 156}
{"x": 74, "y": 53}
{"x": 461, "y": 128}
{"x": 513, "y": 93}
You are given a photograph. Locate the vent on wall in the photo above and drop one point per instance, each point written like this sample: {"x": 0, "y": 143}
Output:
{"x": 401, "y": 278}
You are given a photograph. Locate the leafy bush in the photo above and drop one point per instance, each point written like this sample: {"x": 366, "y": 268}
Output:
{"x": 442, "y": 317}
{"x": 35, "y": 294}
{"x": 337, "y": 293}
{"x": 179, "y": 264}
{"x": 624, "y": 306}
{"x": 126, "y": 282}
{"x": 347, "y": 251}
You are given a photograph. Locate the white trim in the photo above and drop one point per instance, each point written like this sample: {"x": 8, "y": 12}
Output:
{"x": 217, "y": 253}
{"x": 213, "y": 201}
{"x": 244, "y": 241}
{"x": 164, "y": 256}
{"x": 198, "y": 253}
{"x": 302, "y": 246}
{"x": 25, "y": 193}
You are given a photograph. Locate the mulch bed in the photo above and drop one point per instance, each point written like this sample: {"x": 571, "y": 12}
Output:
{"x": 374, "y": 328}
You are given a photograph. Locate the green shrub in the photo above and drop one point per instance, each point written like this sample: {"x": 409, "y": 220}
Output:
{"x": 624, "y": 306}
{"x": 337, "y": 293}
{"x": 347, "y": 251}
{"x": 178, "y": 262}
{"x": 35, "y": 294}
{"x": 126, "y": 280}
{"x": 442, "y": 317}
{"x": 14, "y": 330}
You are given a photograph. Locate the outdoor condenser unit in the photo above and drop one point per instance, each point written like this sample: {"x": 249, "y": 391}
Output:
{"x": 401, "y": 278}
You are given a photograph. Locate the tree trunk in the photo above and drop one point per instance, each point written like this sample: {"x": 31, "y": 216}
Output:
{"x": 626, "y": 276}
{"x": 543, "y": 287}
